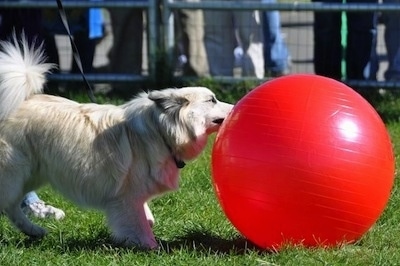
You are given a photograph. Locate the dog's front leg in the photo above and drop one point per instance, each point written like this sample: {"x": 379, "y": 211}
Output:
{"x": 130, "y": 225}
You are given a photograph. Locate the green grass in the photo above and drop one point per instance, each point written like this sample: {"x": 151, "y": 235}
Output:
{"x": 193, "y": 230}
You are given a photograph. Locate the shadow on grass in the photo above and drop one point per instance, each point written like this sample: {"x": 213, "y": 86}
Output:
{"x": 195, "y": 241}
{"x": 385, "y": 102}
{"x": 200, "y": 241}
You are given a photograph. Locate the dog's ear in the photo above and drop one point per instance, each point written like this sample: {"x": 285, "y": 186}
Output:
{"x": 167, "y": 100}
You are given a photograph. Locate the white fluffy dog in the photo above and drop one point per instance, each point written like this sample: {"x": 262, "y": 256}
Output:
{"x": 113, "y": 158}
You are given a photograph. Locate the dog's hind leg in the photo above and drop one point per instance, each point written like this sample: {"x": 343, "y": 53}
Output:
{"x": 12, "y": 192}
{"x": 19, "y": 219}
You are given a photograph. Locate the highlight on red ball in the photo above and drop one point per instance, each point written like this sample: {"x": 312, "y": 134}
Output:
{"x": 303, "y": 159}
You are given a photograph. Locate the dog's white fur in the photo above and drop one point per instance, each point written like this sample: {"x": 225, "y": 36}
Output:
{"x": 113, "y": 158}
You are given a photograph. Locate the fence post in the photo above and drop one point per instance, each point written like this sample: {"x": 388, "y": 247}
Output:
{"x": 153, "y": 37}
{"x": 169, "y": 31}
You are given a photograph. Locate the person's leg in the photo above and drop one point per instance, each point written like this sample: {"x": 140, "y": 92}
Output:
{"x": 33, "y": 205}
{"x": 220, "y": 41}
{"x": 392, "y": 42}
{"x": 276, "y": 54}
{"x": 86, "y": 48}
{"x": 126, "y": 52}
{"x": 361, "y": 57}
{"x": 192, "y": 25}
{"x": 249, "y": 28}
{"x": 328, "y": 50}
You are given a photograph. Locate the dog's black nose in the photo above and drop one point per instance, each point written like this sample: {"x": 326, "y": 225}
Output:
{"x": 218, "y": 121}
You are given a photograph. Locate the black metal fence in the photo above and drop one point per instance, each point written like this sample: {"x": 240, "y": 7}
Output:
{"x": 160, "y": 30}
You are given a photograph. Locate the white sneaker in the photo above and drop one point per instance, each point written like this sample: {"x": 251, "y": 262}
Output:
{"x": 42, "y": 210}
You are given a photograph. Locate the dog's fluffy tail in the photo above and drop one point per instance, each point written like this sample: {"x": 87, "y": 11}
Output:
{"x": 22, "y": 73}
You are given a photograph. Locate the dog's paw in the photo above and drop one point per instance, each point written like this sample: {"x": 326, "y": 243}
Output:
{"x": 150, "y": 245}
{"x": 146, "y": 243}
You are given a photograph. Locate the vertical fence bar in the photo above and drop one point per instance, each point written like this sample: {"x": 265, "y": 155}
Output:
{"x": 169, "y": 31}
{"x": 152, "y": 37}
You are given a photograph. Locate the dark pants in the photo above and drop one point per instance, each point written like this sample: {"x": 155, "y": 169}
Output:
{"x": 79, "y": 26}
{"x": 360, "y": 54}
{"x": 86, "y": 48}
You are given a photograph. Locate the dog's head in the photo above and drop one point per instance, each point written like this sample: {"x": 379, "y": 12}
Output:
{"x": 190, "y": 114}
{"x": 196, "y": 106}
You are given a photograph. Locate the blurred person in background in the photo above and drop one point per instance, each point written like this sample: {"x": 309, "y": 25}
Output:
{"x": 391, "y": 20}
{"x": 86, "y": 26}
{"x": 225, "y": 30}
{"x": 190, "y": 41}
{"x": 276, "y": 53}
{"x": 126, "y": 53}
{"x": 359, "y": 52}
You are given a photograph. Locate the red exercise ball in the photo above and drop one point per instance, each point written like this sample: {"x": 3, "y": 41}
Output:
{"x": 302, "y": 159}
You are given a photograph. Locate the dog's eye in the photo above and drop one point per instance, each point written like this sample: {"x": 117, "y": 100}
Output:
{"x": 213, "y": 99}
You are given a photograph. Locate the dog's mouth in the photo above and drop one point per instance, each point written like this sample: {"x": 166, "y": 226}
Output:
{"x": 218, "y": 121}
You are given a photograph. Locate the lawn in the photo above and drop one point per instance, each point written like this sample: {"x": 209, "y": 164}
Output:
{"x": 192, "y": 229}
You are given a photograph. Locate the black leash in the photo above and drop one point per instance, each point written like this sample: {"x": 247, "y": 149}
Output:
{"x": 75, "y": 51}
